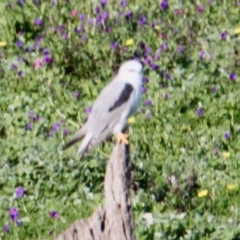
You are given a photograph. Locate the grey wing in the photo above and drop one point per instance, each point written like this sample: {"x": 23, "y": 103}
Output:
{"x": 114, "y": 101}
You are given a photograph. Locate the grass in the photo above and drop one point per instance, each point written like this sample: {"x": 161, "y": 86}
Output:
{"x": 184, "y": 146}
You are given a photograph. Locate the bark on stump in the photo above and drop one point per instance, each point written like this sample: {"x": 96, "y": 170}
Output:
{"x": 114, "y": 220}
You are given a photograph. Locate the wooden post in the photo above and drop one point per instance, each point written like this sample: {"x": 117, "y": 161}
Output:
{"x": 114, "y": 220}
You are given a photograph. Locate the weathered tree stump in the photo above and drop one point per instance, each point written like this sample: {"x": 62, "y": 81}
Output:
{"x": 114, "y": 220}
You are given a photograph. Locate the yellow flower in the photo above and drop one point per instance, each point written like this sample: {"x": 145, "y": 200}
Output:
{"x": 157, "y": 28}
{"x": 3, "y": 44}
{"x": 226, "y": 154}
{"x": 129, "y": 42}
{"x": 203, "y": 193}
{"x": 185, "y": 128}
{"x": 97, "y": 81}
{"x": 237, "y": 31}
{"x": 131, "y": 120}
{"x": 231, "y": 186}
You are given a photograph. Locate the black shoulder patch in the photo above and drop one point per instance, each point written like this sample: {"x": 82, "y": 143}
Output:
{"x": 124, "y": 96}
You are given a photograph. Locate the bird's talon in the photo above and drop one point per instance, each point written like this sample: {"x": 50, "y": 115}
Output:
{"x": 121, "y": 137}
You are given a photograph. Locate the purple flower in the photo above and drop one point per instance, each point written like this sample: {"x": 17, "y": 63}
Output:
{"x": 108, "y": 29}
{"x": 84, "y": 38}
{"x": 36, "y": 46}
{"x": 63, "y": 122}
{"x": 36, "y": 118}
{"x": 38, "y": 39}
{"x": 144, "y": 80}
{"x": 99, "y": 18}
{"x": 166, "y": 96}
{"x": 19, "y": 223}
{"x": 54, "y": 214}
{"x": 76, "y": 94}
{"x": 168, "y": 76}
{"x": 82, "y": 17}
{"x": 164, "y": 5}
{"x": 88, "y": 110}
{"x": 180, "y": 49}
{"x": 19, "y": 191}
{"x": 48, "y": 135}
{"x": 154, "y": 66}
{"x": 224, "y": 35}
{"x": 20, "y": 73}
{"x": 120, "y": 13}
{"x": 6, "y": 228}
{"x": 97, "y": 10}
{"x": 156, "y": 56}
{"x": 142, "y": 45}
{"x": 47, "y": 59}
{"x": 64, "y": 35}
{"x": 65, "y": 132}
{"x": 233, "y": 76}
{"x": 136, "y": 58}
{"x": 227, "y": 135}
{"x": 20, "y": 2}
{"x": 19, "y": 44}
{"x": 114, "y": 45}
{"x": 77, "y": 30}
{"x": 164, "y": 46}
{"x": 147, "y": 60}
{"x": 19, "y": 59}
{"x": 200, "y": 8}
{"x": 31, "y": 114}
{"x": 142, "y": 21}
{"x": 14, "y": 66}
{"x": 152, "y": 24}
{"x": 124, "y": 3}
{"x": 29, "y": 126}
{"x": 38, "y": 22}
{"x": 46, "y": 51}
{"x": 175, "y": 31}
{"x": 103, "y": 3}
{"x": 148, "y": 116}
{"x": 60, "y": 28}
{"x": 199, "y": 112}
{"x": 144, "y": 90}
{"x": 55, "y": 127}
{"x": 91, "y": 21}
{"x": 202, "y": 54}
{"x": 148, "y": 102}
{"x": 13, "y": 213}
{"x": 128, "y": 15}
{"x": 213, "y": 89}
{"x": 105, "y": 15}
{"x": 147, "y": 50}
{"x": 28, "y": 49}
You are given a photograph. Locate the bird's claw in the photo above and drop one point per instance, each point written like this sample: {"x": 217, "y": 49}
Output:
{"x": 121, "y": 137}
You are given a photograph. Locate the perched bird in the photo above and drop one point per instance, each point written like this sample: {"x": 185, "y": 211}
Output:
{"x": 112, "y": 108}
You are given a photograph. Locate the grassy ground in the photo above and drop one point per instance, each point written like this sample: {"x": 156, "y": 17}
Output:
{"x": 56, "y": 56}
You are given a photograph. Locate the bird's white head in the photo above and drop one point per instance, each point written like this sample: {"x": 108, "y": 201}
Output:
{"x": 131, "y": 66}
{"x": 131, "y": 72}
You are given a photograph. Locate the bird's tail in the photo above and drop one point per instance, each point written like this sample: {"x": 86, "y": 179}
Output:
{"x": 85, "y": 143}
{"x": 77, "y": 137}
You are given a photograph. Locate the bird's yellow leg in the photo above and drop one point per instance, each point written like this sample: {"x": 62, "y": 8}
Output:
{"x": 122, "y": 137}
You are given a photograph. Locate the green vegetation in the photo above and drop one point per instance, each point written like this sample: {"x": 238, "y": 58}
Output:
{"x": 55, "y": 57}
